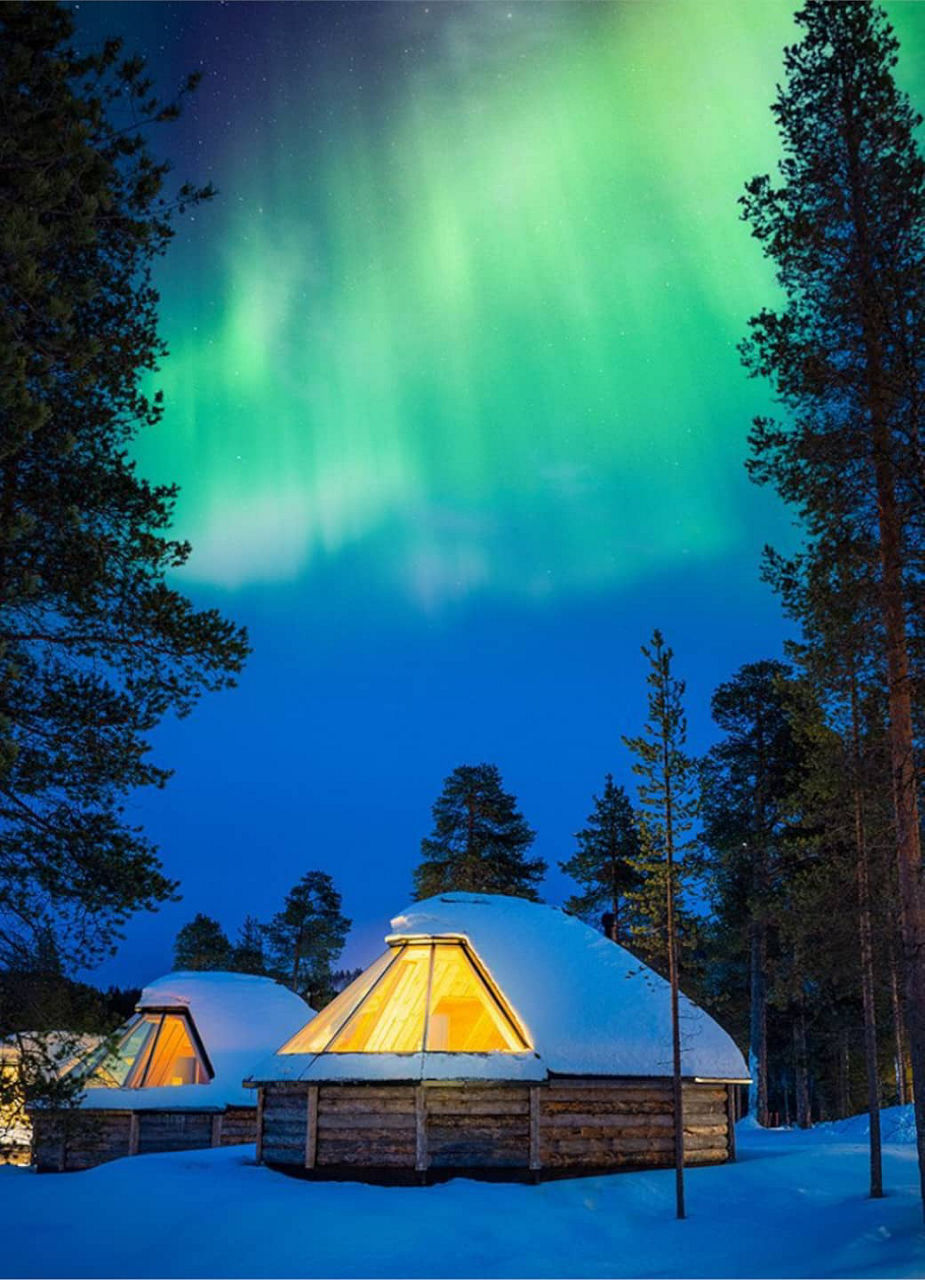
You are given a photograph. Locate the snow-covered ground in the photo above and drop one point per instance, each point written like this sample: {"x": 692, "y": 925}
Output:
{"x": 793, "y": 1205}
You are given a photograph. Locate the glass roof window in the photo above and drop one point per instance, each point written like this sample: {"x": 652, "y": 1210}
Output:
{"x": 422, "y": 994}
{"x": 155, "y": 1049}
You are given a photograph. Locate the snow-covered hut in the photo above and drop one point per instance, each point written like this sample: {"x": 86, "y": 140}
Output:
{"x": 172, "y": 1078}
{"x": 496, "y": 1034}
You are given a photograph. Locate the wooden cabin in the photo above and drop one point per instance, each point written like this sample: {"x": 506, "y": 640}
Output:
{"x": 496, "y": 1037}
{"x": 171, "y": 1081}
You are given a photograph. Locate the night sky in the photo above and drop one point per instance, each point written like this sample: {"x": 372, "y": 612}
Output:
{"x": 455, "y": 405}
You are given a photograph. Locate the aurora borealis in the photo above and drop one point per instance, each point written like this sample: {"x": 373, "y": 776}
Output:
{"x": 456, "y": 410}
{"x": 492, "y": 301}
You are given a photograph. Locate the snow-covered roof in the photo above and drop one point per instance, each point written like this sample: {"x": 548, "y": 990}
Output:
{"x": 587, "y": 1005}
{"x": 239, "y": 1018}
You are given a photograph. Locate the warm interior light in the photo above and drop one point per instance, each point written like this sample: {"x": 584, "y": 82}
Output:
{"x": 174, "y": 1059}
{"x": 155, "y": 1049}
{"x": 391, "y": 1018}
{"x": 386, "y": 1009}
{"x": 464, "y": 1016}
{"x": 316, "y": 1035}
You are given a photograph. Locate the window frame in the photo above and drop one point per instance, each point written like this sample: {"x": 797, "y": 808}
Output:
{"x": 137, "y": 1074}
{"x": 398, "y": 943}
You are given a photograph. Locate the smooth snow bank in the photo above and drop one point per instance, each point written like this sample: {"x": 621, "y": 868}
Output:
{"x": 897, "y": 1126}
{"x": 240, "y": 1019}
{"x": 794, "y": 1205}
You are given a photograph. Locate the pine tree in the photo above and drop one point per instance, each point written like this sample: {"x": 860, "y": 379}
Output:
{"x": 645, "y": 913}
{"x": 605, "y": 864}
{"x": 201, "y": 944}
{"x": 833, "y": 594}
{"x": 666, "y": 792}
{"x": 846, "y": 230}
{"x": 479, "y": 841}
{"x": 747, "y": 781}
{"x": 247, "y": 953}
{"x": 306, "y": 937}
{"x": 95, "y": 646}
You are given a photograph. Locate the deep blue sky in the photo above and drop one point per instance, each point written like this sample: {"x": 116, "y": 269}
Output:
{"x": 456, "y": 409}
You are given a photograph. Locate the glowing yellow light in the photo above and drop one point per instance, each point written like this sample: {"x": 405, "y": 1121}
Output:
{"x": 463, "y": 1016}
{"x": 156, "y": 1049}
{"x": 421, "y": 993}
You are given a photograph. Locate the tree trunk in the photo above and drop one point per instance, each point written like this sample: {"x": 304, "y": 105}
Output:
{"x": 676, "y": 1089}
{"x": 801, "y": 1070}
{"x": 905, "y": 797}
{"x": 892, "y": 608}
{"x": 758, "y": 1024}
{"x": 868, "y": 1001}
{"x": 899, "y": 1031}
{"x": 844, "y": 1075}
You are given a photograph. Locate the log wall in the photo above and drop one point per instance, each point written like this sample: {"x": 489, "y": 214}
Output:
{"x": 239, "y": 1125}
{"x": 432, "y": 1129}
{"x": 77, "y": 1139}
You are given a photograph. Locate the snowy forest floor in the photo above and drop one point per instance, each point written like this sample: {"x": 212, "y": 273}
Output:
{"x": 793, "y": 1205}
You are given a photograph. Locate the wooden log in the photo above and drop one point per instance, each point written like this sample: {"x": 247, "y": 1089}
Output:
{"x": 645, "y": 1084}
{"x": 609, "y": 1119}
{"x": 441, "y": 1106}
{"x": 534, "y": 1161}
{"x": 133, "y": 1135}
{"x": 468, "y": 1155}
{"x": 704, "y": 1130}
{"x": 216, "y": 1134}
{"x": 715, "y": 1093}
{"x": 589, "y": 1091}
{"x": 707, "y": 1142}
{"x": 174, "y": 1131}
{"x": 368, "y": 1093}
{"x": 289, "y": 1134}
{"x": 239, "y": 1125}
{"x": 441, "y": 1137}
{"x": 330, "y": 1122}
{"x": 421, "y": 1154}
{"x": 271, "y": 1154}
{"x": 607, "y": 1105}
{"x": 608, "y": 1137}
{"x": 311, "y": 1127}
{"x": 731, "y": 1120}
{"x": 385, "y": 1140}
{"x": 328, "y": 1106}
{"x": 715, "y": 1155}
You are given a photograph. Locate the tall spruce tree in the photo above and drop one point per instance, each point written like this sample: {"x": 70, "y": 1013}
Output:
{"x": 747, "y": 780}
{"x": 480, "y": 840}
{"x": 833, "y": 594}
{"x": 666, "y": 792}
{"x": 845, "y": 227}
{"x": 306, "y": 937}
{"x": 95, "y": 646}
{"x": 201, "y": 944}
{"x": 605, "y": 864}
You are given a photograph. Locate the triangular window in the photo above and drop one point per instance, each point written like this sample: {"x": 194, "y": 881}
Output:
{"x": 155, "y": 1049}
{"x": 422, "y": 994}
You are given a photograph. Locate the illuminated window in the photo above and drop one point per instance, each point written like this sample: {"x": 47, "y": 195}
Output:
{"x": 421, "y": 994}
{"x": 316, "y": 1035}
{"x": 113, "y": 1070}
{"x": 464, "y": 1015}
{"x": 173, "y": 1059}
{"x": 155, "y": 1049}
{"x": 391, "y": 1018}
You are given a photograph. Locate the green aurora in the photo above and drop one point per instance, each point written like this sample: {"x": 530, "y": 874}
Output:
{"x": 480, "y": 322}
